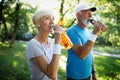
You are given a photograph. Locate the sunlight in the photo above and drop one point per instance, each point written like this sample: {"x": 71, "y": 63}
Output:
{"x": 14, "y": 63}
{"x": 118, "y": 75}
{"x": 42, "y": 3}
{"x": 62, "y": 63}
{"x": 118, "y": 61}
{"x": 45, "y": 4}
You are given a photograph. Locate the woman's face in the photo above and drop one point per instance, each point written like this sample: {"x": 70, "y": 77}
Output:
{"x": 47, "y": 23}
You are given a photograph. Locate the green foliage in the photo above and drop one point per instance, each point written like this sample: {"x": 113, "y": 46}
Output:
{"x": 25, "y": 19}
{"x": 108, "y": 11}
{"x": 62, "y": 74}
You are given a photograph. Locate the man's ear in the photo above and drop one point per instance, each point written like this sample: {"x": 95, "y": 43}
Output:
{"x": 78, "y": 15}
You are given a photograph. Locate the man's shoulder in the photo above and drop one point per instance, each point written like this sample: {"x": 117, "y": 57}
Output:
{"x": 72, "y": 30}
{"x": 72, "y": 27}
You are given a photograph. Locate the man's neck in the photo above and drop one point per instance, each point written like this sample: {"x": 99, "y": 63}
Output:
{"x": 81, "y": 25}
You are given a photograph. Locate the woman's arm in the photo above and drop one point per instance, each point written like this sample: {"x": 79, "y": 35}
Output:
{"x": 48, "y": 69}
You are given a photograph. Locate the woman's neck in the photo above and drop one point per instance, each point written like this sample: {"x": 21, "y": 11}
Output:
{"x": 42, "y": 37}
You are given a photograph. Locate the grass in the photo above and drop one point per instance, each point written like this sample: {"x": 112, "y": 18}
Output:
{"x": 13, "y": 63}
{"x": 107, "y": 68}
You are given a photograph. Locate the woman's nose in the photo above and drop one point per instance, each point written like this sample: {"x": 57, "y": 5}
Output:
{"x": 52, "y": 21}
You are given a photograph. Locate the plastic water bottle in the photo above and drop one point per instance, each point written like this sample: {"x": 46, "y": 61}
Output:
{"x": 66, "y": 42}
{"x": 103, "y": 29}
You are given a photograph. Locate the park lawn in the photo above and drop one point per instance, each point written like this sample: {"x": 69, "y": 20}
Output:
{"x": 107, "y": 49}
{"x": 13, "y": 64}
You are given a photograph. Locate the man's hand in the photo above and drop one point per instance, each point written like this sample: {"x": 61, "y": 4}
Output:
{"x": 97, "y": 27}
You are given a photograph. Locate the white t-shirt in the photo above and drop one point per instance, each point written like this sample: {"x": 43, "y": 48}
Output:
{"x": 35, "y": 48}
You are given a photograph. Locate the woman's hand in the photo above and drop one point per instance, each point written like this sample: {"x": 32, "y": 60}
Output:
{"x": 57, "y": 34}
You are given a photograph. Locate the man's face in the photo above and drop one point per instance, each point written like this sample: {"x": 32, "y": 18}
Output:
{"x": 84, "y": 15}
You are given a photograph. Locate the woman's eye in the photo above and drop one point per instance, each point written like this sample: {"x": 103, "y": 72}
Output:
{"x": 53, "y": 19}
{"x": 47, "y": 18}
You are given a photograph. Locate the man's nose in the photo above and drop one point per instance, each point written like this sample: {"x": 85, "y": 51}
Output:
{"x": 90, "y": 14}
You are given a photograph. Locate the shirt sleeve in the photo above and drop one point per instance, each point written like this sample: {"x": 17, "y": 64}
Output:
{"x": 72, "y": 34}
{"x": 33, "y": 50}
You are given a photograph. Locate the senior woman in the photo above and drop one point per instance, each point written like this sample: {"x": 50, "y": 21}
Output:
{"x": 42, "y": 52}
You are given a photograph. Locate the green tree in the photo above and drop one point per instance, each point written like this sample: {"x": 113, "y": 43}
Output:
{"x": 15, "y": 20}
{"x": 108, "y": 11}
{"x": 16, "y": 24}
{"x": 66, "y": 8}
{"x": 4, "y": 16}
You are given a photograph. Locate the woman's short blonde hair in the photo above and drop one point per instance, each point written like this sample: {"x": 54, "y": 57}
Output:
{"x": 40, "y": 13}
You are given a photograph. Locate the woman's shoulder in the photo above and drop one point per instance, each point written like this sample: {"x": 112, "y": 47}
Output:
{"x": 33, "y": 42}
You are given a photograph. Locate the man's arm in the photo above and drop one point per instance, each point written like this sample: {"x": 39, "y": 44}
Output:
{"x": 82, "y": 50}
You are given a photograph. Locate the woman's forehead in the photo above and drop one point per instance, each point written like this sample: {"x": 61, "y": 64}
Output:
{"x": 51, "y": 16}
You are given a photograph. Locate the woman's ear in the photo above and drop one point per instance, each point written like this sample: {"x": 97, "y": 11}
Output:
{"x": 37, "y": 23}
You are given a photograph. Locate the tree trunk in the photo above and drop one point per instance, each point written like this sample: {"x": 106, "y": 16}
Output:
{"x": 73, "y": 19}
{"x": 2, "y": 20}
{"x": 72, "y": 22}
{"x": 16, "y": 24}
{"x": 61, "y": 10}
{"x": 5, "y": 31}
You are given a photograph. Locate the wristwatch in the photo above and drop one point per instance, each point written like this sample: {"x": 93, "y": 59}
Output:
{"x": 93, "y": 71}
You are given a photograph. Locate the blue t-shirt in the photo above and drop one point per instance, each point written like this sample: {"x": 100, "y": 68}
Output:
{"x": 77, "y": 68}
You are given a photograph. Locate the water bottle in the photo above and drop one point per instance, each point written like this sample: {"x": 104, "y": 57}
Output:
{"x": 104, "y": 28}
{"x": 66, "y": 42}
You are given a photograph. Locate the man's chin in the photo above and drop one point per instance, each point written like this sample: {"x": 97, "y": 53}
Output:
{"x": 86, "y": 23}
